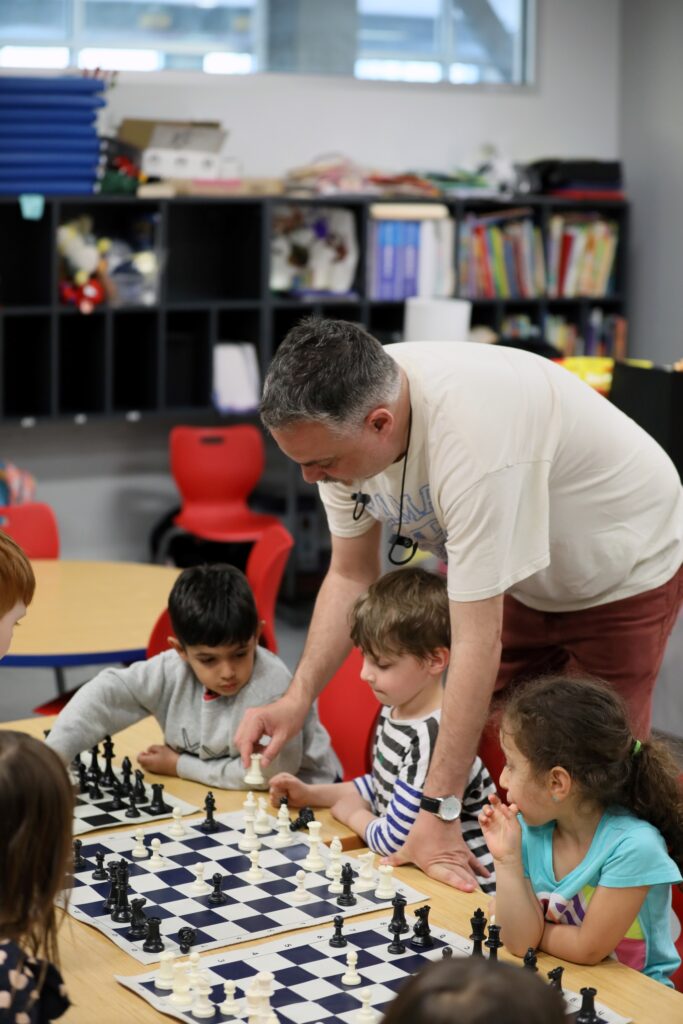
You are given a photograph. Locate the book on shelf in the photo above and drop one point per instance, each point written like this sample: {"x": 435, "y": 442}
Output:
{"x": 502, "y": 256}
{"x": 603, "y": 335}
{"x": 410, "y": 254}
{"x": 582, "y": 251}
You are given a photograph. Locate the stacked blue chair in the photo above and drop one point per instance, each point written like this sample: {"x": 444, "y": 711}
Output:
{"x": 48, "y": 135}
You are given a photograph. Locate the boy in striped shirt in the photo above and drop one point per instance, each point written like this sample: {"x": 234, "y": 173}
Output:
{"x": 402, "y": 627}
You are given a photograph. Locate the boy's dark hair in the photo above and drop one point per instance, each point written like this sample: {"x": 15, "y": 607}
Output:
{"x": 582, "y": 725}
{"x": 36, "y": 809}
{"x": 212, "y": 605}
{"x": 17, "y": 582}
{"x": 472, "y": 990}
{"x": 404, "y": 612}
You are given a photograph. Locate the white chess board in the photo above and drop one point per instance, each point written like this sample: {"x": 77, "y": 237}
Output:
{"x": 252, "y": 910}
{"x": 307, "y": 975}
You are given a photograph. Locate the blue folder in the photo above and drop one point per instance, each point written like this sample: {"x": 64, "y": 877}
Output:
{"x": 50, "y": 84}
{"x": 43, "y": 117}
{"x": 71, "y": 131}
{"x": 88, "y": 147}
{"x": 35, "y": 158}
{"x": 49, "y": 100}
{"x": 49, "y": 187}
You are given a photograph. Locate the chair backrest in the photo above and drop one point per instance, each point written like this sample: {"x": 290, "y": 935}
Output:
{"x": 33, "y": 526}
{"x": 158, "y": 638}
{"x": 491, "y": 753}
{"x": 348, "y": 709}
{"x": 265, "y": 569}
{"x": 216, "y": 465}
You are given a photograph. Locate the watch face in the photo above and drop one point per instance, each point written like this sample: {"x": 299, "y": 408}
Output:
{"x": 450, "y": 808}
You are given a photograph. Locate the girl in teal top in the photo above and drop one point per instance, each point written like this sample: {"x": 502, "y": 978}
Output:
{"x": 591, "y": 842}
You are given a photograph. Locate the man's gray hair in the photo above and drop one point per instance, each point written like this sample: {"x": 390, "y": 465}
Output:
{"x": 328, "y": 371}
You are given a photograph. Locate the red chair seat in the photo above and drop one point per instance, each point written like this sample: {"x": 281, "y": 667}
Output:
{"x": 218, "y": 523}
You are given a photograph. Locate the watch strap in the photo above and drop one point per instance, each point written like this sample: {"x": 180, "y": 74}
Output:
{"x": 431, "y": 803}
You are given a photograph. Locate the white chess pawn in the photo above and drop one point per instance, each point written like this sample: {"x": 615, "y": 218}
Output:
{"x": 335, "y": 856}
{"x": 230, "y": 1007}
{"x": 385, "y": 890}
{"x": 284, "y": 834}
{"x": 199, "y": 887}
{"x": 139, "y": 851}
{"x": 262, "y": 824}
{"x": 366, "y": 1014}
{"x": 254, "y": 1001}
{"x": 249, "y": 841}
{"x": 335, "y": 885}
{"x": 181, "y": 995}
{"x": 300, "y": 894}
{"x": 254, "y": 776}
{"x": 254, "y": 874}
{"x": 202, "y": 1005}
{"x": 366, "y": 875}
{"x": 351, "y": 975}
{"x": 313, "y": 860}
{"x": 164, "y": 976}
{"x": 156, "y": 861}
{"x": 177, "y": 828}
{"x": 249, "y": 804}
{"x": 283, "y": 813}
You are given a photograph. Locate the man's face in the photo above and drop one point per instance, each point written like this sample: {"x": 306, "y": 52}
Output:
{"x": 325, "y": 456}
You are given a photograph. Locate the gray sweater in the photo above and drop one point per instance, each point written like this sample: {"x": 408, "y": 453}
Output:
{"x": 202, "y": 731}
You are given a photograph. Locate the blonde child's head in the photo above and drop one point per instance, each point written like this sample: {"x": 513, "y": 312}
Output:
{"x": 36, "y": 810}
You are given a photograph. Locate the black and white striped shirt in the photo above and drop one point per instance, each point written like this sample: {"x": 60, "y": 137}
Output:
{"x": 400, "y": 760}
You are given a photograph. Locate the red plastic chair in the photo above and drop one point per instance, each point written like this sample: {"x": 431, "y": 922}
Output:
{"x": 216, "y": 469}
{"x": 677, "y": 908}
{"x": 348, "y": 709}
{"x": 33, "y": 526}
{"x": 492, "y": 755}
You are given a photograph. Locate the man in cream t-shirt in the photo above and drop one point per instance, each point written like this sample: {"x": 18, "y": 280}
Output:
{"x": 560, "y": 520}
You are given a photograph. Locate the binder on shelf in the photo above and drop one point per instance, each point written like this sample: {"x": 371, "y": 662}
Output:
{"x": 412, "y": 247}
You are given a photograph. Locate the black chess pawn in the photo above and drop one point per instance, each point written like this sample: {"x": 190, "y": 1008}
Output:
{"x": 446, "y": 953}
{"x": 157, "y": 806}
{"x": 338, "y": 941}
{"x": 108, "y": 778}
{"x": 493, "y": 942}
{"x": 530, "y": 959}
{"x": 422, "y": 936}
{"x": 186, "y": 938}
{"x": 209, "y": 824}
{"x": 217, "y": 897}
{"x": 132, "y": 811}
{"x": 94, "y": 791}
{"x": 79, "y": 860}
{"x": 587, "y": 1014}
{"x": 83, "y": 783}
{"x": 138, "y": 789}
{"x": 95, "y": 769}
{"x": 138, "y": 921}
{"x": 117, "y": 803}
{"x": 126, "y": 772}
{"x": 153, "y": 943}
{"x": 478, "y": 923}
{"x": 100, "y": 872}
{"x": 346, "y": 898}
{"x": 555, "y": 977}
{"x": 398, "y": 923}
{"x": 75, "y": 763}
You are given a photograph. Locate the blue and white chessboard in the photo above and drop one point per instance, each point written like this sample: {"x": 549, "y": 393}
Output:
{"x": 307, "y": 975}
{"x": 252, "y": 910}
{"x": 90, "y": 815}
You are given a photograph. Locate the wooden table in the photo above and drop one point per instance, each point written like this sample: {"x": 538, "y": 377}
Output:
{"x": 90, "y": 613}
{"x": 90, "y": 961}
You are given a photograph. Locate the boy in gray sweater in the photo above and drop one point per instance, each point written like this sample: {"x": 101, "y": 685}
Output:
{"x": 198, "y": 691}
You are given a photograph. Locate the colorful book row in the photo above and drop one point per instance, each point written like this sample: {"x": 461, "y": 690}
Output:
{"x": 502, "y": 256}
{"x": 581, "y": 255}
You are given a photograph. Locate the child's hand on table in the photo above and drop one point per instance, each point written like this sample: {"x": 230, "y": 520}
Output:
{"x": 159, "y": 759}
{"x": 288, "y": 785}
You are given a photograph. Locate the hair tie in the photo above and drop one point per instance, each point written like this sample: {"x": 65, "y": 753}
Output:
{"x": 636, "y": 748}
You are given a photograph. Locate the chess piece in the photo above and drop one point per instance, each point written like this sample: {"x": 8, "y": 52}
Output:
{"x": 478, "y": 923}
{"x": 132, "y": 811}
{"x": 335, "y": 885}
{"x": 139, "y": 851}
{"x": 398, "y": 924}
{"x": 366, "y": 875}
{"x": 94, "y": 791}
{"x": 351, "y": 975}
{"x": 313, "y": 861}
{"x": 255, "y": 873}
{"x": 217, "y": 897}
{"x": 283, "y": 812}
{"x": 153, "y": 942}
{"x": 385, "y": 889}
{"x": 397, "y": 946}
{"x": 209, "y": 824}
{"x": 177, "y": 828}
{"x": 300, "y": 894}
{"x": 493, "y": 942}
{"x": 202, "y": 1005}
{"x": 108, "y": 778}
{"x": 366, "y": 1014}
{"x": 156, "y": 861}
{"x": 283, "y": 836}
{"x": 95, "y": 772}
{"x": 422, "y": 936}
{"x": 138, "y": 920}
{"x": 586, "y": 1014}
{"x": 112, "y": 874}
{"x": 262, "y": 823}
{"x": 249, "y": 804}
{"x": 126, "y": 772}
{"x": 199, "y": 887}
{"x": 139, "y": 791}
{"x": 100, "y": 872}
{"x": 347, "y": 899}
{"x": 254, "y": 776}
{"x": 187, "y": 937}
{"x": 180, "y": 995}
{"x": 157, "y": 805}
{"x": 79, "y": 860}
{"x": 446, "y": 953}
{"x": 305, "y": 815}
{"x": 121, "y": 912}
{"x": 230, "y": 1007}
{"x": 117, "y": 803}
{"x": 555, "y": 977}
{"x": 164, "y": 977}
{"x": 195, "y": 973}
{"x": 530, "y": 959}
{"x": 249, "y": 841}
{"x": 338, "y": 941}
{"x": 335, "y": 849}
{"x": 83, "y": 781}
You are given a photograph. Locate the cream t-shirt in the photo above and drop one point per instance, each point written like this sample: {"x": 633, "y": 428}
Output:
{"x": 525, "y": 480}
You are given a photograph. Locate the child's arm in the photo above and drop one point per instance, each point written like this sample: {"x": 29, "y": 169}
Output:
{"x": 343, "y": 798}
{"x": 221, "y": 772}
{"x": 610, "y": 914}
{"x": 518, "y": 912}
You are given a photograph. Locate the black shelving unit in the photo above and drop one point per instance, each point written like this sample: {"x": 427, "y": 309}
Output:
{"x": 214, "y": 286}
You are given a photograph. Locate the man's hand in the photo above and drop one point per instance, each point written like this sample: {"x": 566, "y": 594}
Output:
{"x": 437, "y": 847}
{"x": 280, "y": 721}
{"x": 159, "y": 759}
{"x": 284, "y": 784}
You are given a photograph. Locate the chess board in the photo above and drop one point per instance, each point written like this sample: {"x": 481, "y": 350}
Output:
{"x": 252, "y": 910}
{"x": 307, "y": 975}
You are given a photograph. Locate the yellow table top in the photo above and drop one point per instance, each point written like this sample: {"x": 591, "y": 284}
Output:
{"x": 90, "y": 960}
{"x": 90, "y": 612}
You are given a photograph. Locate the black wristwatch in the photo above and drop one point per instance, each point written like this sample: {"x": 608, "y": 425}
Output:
{"x": 447, "y": 808}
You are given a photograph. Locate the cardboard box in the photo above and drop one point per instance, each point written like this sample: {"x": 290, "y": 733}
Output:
{"x": 188, "y": 152}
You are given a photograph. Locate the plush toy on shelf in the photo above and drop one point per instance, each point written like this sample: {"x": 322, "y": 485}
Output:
{"x": 83, "y": 275}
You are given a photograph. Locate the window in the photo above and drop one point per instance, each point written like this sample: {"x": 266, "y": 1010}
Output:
{"x": 458, "y": 41}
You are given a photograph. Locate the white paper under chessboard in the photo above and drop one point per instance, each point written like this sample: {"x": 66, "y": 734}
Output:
{"x": 307, "y": 975}
{"x": 253, "y": 910}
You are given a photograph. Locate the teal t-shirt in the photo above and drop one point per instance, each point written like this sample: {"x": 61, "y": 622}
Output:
{"x": 625, "y": 851}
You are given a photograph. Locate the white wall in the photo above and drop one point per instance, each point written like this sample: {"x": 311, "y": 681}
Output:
{"x": 280, "y": 121}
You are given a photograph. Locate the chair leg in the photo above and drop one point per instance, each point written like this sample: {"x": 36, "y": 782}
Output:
{"x": 61, "y": 681}
{"x": 165, "y": 543}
